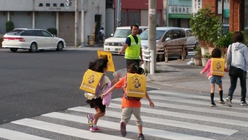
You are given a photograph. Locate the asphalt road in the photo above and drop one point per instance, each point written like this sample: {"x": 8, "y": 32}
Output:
{"x": 36, "y": 83}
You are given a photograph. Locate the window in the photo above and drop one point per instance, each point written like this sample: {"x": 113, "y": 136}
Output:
{"x": 54, "y": 4}
{"x": 47, "y": 4}
{"x": 167, "y": 35}
{"x": 188, "y": 32}
{"x": 176, "y": 34}
{"x": 46, "y": 34}
{"x": 62, "y": 5}
{"x": 27, "y": 33}
{"x": 40, "y": 4}
{"x": 38, "y": 33}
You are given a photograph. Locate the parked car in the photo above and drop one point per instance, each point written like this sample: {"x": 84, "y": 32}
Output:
{"x": 115, "y": 43}
{"x": 191, "y": 39}
{"x": 32, "y": 40}
{"x": 172, "y": 36}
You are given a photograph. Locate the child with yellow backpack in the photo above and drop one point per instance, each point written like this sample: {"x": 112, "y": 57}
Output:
{"x": 131, "y": 104}
{"x": 215, "y": 68}
{"x": 95, "y": 82}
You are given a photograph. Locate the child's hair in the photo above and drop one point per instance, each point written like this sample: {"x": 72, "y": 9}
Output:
{"x": 99, "y": 64}
{"x": 216, "y": 53}
{"x": 134, "y": 68}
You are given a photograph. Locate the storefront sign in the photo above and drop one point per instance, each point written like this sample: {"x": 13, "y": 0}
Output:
{"x": 196, "y": 5}
{"x": 179, "y": 10}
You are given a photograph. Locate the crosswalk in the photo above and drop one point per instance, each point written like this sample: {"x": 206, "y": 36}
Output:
{"x": 177, "y": 116}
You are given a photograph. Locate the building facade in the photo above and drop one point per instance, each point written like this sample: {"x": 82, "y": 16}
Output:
{"x": 178, "y": 12}
{"x": 238, "y": 13}
{"x": 59, "y": 14}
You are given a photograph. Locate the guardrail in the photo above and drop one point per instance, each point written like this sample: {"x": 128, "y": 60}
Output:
{"x": 146, "y": 57}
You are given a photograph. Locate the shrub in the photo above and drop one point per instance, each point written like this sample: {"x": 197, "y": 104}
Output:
{"x": 52, "y": 30}
{"x": 9, "y": 26}
{"x": 224, "y": 41}
{"x": 205, "y": 24}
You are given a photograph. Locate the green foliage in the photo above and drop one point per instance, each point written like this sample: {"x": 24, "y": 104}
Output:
{"x": 245, "y": 38}
{"x": 207, "y": 55}
{"x": 205, "y": 25}
{"x": 9, "y": 26}
{"x": 52, "y": 30}
{"x": 224, "y": 41}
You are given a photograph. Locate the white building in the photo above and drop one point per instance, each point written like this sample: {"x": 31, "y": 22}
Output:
{"x": 59, "y": 14}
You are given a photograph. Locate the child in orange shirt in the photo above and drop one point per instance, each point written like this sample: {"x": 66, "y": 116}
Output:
{"x": 130, "y": 106}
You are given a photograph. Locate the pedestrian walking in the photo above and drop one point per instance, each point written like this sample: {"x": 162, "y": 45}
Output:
{"x": 132, "y": 47}
{"x": 237, "y": 64}
{"x": 214, "y": 79}
{"x": 99, "y": 65}
{"x": 130, "y": 105}
{"x": 101, "y": 36}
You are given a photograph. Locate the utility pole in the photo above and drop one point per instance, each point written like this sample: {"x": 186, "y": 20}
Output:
{"x": 165, "y": 11}
{"x": 76, "y": 24}
{"x": 152, "y": 33}
{"x": 118, "y": 13}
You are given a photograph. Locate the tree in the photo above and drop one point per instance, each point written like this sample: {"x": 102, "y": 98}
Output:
{"x": 205, "y": 25}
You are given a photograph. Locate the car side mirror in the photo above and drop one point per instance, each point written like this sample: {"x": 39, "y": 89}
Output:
{"x": 168, "y": 39}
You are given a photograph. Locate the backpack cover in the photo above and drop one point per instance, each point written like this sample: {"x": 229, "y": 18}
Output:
{"x": 218, "y": 66}
{"x": 92, "y": 83}
{"x": 135, "y": 86}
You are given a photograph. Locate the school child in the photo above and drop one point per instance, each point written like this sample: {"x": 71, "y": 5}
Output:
{"x": 216, "y": 53}
{"x": 99, "y": 65}
{"x": 129, "y": 106}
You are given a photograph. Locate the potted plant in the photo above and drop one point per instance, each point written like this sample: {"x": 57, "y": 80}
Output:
{"x": 198, "y": 56}
{"x": 205, "y": 25}
{"x": 205, "y": 58}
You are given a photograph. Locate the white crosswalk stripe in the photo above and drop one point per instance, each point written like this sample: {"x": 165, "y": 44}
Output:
{"x": 177, "y": 116}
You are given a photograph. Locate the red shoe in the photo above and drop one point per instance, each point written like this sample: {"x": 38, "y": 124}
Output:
{"x": 95, "y": 129}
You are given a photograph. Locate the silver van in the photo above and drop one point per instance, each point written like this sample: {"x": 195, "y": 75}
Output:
{"x": 116, "y": 42}
{"x": 173, "y": 36}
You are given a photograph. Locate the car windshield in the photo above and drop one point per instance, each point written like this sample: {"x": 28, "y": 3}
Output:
{"x": 122, "y": 33}
{"x": 159, "y": 34}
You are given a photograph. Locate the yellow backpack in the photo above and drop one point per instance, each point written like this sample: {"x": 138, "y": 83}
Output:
{"x": 92, "y": 82}
{"x": 135, "y": 86}
{"x": 218, "y": 66}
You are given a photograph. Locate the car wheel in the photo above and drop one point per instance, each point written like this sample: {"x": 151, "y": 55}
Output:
{"x": 60, "y": 46}
{"x": 13, "y": 49}
{"x": 33, "y": 47}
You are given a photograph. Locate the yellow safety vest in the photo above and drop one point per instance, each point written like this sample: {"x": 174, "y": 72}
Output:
{"x": 133, "y": 51}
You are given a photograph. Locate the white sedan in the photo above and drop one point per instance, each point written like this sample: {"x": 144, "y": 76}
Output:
{"x": 32, "y": 40}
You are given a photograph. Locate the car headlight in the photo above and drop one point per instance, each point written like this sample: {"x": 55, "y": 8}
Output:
{"x": 122, "y": 44}
{"x": 106, "y": 43}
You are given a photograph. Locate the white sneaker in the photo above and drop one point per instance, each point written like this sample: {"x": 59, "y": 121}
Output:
{"x": 228, "y": 102}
